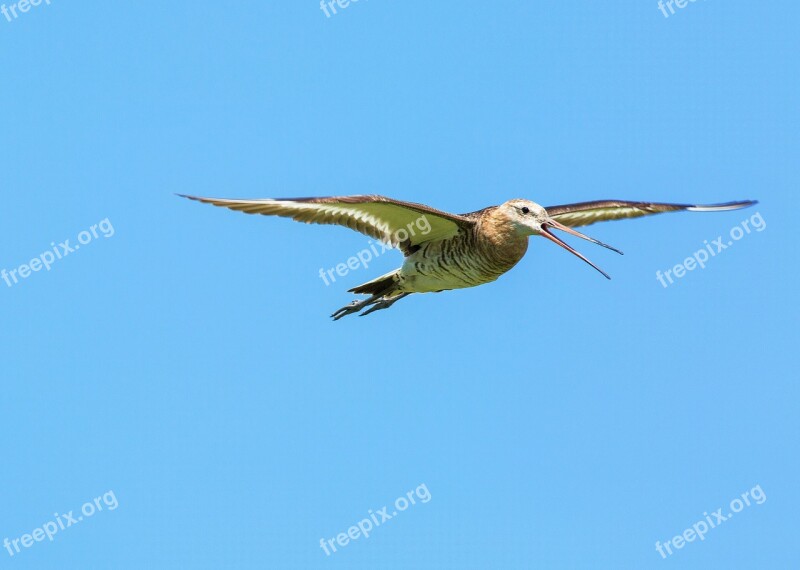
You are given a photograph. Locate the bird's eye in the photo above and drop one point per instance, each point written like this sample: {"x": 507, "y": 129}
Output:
{"x": 526, "y": 210}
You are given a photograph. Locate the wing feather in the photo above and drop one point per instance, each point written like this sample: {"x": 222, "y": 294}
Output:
{"x": 585, "y": 213}
{"x": 397, "y": 223}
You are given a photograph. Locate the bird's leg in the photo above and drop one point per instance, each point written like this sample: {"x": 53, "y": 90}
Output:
{"x": 383, "y": 304}
{"x": 354, "y": 307}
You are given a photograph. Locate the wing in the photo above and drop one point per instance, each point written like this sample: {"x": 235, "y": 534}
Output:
{"x": 396, "y": 223}
{"x": 585, "y": 213}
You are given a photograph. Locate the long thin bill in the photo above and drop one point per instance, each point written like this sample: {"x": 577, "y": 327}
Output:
{"x": 554, "y": 239}
{"x": 569, "y": 230}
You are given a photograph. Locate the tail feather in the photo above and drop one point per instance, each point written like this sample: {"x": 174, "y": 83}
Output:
{"x": 382, "y": 285}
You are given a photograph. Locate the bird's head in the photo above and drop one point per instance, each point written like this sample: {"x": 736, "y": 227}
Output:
{"x": 525, "y": 217}
{"x": 530, "y": 219}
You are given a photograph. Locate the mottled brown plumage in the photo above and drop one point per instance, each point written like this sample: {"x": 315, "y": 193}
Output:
{"x": 450, "y": 251}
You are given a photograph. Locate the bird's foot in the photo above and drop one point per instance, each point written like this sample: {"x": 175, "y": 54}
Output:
{"x": 377, "y": 302}
{"x": 351, "y": 308}
{"x": 382, "y": 304}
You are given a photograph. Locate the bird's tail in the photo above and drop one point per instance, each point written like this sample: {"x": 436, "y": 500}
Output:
{"x": 382, "y": 286}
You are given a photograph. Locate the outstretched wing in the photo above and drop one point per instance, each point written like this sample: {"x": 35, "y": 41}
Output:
{"x": 585, "y": 213}
{"x": 396, "y": 223}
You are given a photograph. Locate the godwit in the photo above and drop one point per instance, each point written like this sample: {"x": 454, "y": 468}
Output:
{"x": 457, "y": 251}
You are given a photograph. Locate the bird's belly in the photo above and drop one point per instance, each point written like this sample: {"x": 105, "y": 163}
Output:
{"x": 421, "y": 274}
{"x": 429, "y": 284}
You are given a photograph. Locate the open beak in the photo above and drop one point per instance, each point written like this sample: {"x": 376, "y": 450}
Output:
{"x": 558, "y": 226}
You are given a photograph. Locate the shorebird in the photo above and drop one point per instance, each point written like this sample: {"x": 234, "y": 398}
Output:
{"x": 446, "y": 251}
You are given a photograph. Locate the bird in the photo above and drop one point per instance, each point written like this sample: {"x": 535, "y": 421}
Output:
{"x": 444, "y": 251}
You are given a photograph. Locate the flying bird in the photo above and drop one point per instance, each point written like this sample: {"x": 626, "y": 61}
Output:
{"x": 446, "y": 251}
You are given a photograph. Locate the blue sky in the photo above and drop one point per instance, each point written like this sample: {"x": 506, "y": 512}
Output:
{"x": 180, "y": 366}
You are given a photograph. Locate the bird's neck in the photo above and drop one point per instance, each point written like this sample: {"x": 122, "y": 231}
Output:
{"x": 500, "y": 239}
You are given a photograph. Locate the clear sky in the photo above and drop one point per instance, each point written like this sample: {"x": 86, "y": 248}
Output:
{"x": 180, "y": 366}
